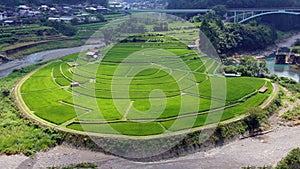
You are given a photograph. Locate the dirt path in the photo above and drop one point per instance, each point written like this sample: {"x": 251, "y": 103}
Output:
{"x": 259, "y": 151}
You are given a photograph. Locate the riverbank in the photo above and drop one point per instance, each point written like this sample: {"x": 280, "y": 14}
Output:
{"x": 284, "y": 70}
{"x": 7, "y": 68}
{"x": 286, "y": 41}
{"x": 266, "y": 150}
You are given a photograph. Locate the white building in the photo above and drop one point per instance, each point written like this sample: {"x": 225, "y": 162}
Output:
{"x": 44, "y": 7}
{"x": 115, "y": 4}
{"x": 63, "y": 18}
{"x": 2, "y": 16}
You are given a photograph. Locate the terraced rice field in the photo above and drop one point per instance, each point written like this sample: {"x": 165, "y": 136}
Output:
{"x": 138, "y": 89}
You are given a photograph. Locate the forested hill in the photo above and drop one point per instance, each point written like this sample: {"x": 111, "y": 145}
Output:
{"x": 193, "y": 4}
{"x": 50, "y": 2}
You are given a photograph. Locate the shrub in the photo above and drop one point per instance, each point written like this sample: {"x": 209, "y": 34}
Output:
{"x": 292, "y": 160}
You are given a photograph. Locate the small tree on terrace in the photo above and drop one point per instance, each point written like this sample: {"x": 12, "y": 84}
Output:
{"x": 255, "y": 119}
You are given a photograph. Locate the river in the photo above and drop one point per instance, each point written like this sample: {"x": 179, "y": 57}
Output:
{"x": 7, "y": 68}
{"x": 284, "y": 70}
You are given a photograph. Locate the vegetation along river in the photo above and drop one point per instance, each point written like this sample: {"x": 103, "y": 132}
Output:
{"x": 7, "y": 68}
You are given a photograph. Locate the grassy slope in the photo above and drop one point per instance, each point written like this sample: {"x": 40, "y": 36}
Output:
{"x": 19, "y": 135}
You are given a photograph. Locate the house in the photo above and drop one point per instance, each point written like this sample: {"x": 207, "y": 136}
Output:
{"x": 23, "y": 7}
{"x": 91, "y": 9}
{"x": 93, "y": 54}
{"x": 53, "y": 9}
{"x": 115, "y": 5}
{"x": 9, "y": 22}
{"x": 192, "y": 47}
{"x": 263, "y": 90}
{"x": 44, "y": 7}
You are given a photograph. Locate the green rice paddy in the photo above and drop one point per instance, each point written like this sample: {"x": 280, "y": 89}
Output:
{"x": 138, "y": 89}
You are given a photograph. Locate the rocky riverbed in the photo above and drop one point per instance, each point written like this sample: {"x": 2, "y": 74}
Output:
{"x": 263, "y": 150}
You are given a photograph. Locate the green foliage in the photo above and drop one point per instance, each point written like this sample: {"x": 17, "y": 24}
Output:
{"x": 75, "y": 166}
{"x": 220, "y": 10}
{"x": 252, "y": 167}
{"x": 231, "y": 38}
{"x": 292, "y": 114}
{"x": 19, "y": 135}
{"x": 255, "y": 119}
{"x": 75, "y": 21}
{"x": 100, "y": 17}
{"x": 292, "y": 85}
{"x": 62, "y": 27}
{"x": 13, "y": 34}
{"x": 251, "y": 67}
{"x": 5, "y": 92}
{"x": 231, "y": 69}
{"x": 48, "y": 46}
{"x": 160, "y": 27}
{"x": 292, "y": 160}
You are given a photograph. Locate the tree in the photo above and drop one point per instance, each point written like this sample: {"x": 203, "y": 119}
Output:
{"x": 220, "y": 10}
{"x": 5, "y": 92}
{"x": 86, "y": 20}
{"x": 262, "y": 68}
{"x": 107, "y": 36}
{"x": 255, "y": 119}
{"x": 100, "y": 17}
{"x": 251, "y": 67}
{"x": 230, "y": 69}
{"x": 75, "y": 21}
{"x": 62, "y": 27}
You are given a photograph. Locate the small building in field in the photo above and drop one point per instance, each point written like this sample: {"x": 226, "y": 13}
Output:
{"x": 74, "y": 84}
{"x": 192, "y": 47}
{"x": 63, "y": 18}
{"x": 93, "y": 54}
{"x": 232, "y": 75}
{"x": 263, "y": 89}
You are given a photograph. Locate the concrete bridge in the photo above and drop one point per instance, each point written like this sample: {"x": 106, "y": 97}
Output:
{"x": 240, "y": 15}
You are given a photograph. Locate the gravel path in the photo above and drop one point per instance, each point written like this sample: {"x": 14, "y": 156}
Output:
{"x": 259, "y": 151}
